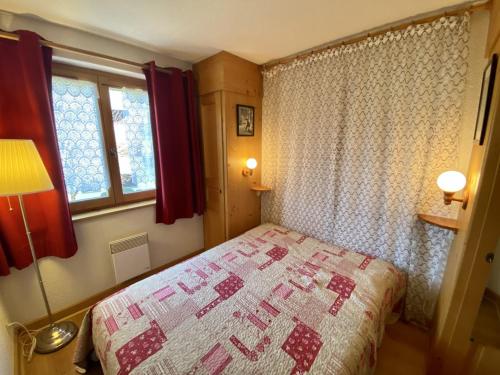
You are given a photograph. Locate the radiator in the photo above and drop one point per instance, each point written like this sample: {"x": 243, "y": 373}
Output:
{"x": 130, "y": 256}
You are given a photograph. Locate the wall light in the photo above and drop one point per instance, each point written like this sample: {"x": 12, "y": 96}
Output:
{"x": 251, "y": 164}
{"x": 451, "y": 182}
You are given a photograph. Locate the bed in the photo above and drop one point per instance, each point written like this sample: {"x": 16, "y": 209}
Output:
{"x": 269, "y": 301}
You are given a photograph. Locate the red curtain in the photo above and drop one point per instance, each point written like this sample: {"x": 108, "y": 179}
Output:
{"x": 179, "y": 174}
{"x": 26, "y": 113}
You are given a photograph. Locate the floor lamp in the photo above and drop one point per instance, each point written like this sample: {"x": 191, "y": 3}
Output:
{"x": 22, "y": 172}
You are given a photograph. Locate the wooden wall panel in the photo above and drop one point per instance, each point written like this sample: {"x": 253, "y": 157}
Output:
{"x": 243, "y": 205}
{"x": 227, "y": 72}
{"x": 209, "y": 75}
{"x": 493, "y": 44}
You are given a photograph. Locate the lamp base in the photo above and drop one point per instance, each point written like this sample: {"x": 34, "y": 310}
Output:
{"x": 55, "y": 336}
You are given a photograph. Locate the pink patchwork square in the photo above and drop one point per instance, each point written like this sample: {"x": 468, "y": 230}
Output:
{"x": 321, "y": 257}
{"x": 201, "y": 274}
{"x": 269, "y": 308}
{"x": 283, "y": 291}
{"x": 216, "y": 360}
{"x": 164, "y": 293}
{"x": 111, "y": 325}
{"x": 214, "y": 266}
{"x": 229, "y": 257}
{"x": 135, "y": 311}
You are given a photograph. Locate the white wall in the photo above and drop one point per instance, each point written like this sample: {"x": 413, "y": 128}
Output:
{"x": 479, "y": 22}
{"x": 6, "y": 347}
{"x": 69, "y": 281}
{"x": 87, "y": 41}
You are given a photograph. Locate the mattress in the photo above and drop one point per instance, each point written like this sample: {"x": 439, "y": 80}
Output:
{"x": 271, "y": 301}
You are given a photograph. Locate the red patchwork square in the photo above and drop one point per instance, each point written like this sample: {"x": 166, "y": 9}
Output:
{"x": 229, "y": 286}
{"x": 277, "y": 253}
{"x": 303, "y": 346}
{"x": 341, "y": 285}
{"x": 140, "y": 348}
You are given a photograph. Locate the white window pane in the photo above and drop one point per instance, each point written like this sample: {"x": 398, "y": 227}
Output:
{"x": 79, "y": 134}
{"x": 134, "y": 141}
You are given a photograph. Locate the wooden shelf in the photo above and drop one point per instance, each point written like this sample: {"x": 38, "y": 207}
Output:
{"x": 442, "y": 222}
{"x": 260, "y": 189}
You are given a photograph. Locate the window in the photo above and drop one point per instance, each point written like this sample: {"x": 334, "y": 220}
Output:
{"x": 105, "y": 137}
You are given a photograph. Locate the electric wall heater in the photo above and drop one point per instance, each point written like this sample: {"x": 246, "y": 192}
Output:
{"x": 130, "y": 256}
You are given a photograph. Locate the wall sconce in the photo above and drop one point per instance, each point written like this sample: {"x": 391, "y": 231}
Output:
{"x": 251, "y": 164}
{"x": 451, "y": 182}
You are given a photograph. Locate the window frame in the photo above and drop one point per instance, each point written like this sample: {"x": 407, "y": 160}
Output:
{"x": 104, "y": 81}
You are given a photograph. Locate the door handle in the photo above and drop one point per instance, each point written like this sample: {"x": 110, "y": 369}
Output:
{"x": 490, "y": 257}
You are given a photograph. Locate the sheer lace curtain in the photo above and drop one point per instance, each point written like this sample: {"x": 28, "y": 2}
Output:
{"x": 354, "y": 139}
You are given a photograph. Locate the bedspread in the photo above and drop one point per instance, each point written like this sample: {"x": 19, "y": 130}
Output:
{"x": 271, "y": 301}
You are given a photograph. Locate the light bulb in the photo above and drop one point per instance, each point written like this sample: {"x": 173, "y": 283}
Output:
{"x": 251, "y": 163}
{"x": 451, "y": 181}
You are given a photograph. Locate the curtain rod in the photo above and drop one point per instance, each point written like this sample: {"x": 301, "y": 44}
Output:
{"x": 470, "y": 6}
{"x": 79, "y": 51}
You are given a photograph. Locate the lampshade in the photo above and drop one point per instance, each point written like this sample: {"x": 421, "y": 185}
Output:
{"x": 251, "y": 163}
{"x": 21, "y": 168}
{"x": 451, "y": 181}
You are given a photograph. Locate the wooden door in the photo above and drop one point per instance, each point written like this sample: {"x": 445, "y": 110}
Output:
{"x": 213, "y": 156}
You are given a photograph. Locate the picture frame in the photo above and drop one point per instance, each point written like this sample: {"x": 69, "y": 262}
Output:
{"x": 245, "y": 120}
{"x": 485, "y": 100}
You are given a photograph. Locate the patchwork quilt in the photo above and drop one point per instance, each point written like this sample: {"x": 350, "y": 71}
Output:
{"x": 271, "y": 301}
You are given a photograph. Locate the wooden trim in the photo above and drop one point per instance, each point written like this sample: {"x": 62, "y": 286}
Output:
{"x": 90, "y": 75}
{"x": 79, "y": 51}
{"x": 104, "y": 81}
{"x": 471, "y": 6}
{"x": 90, "y": 301}
{"x": 225, "y": 162}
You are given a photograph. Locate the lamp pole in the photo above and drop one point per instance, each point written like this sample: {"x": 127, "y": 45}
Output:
{"x": 56, "y": 335}
{"x": 35, "y": 260}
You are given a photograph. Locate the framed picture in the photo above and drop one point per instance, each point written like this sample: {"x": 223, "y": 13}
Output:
{"x": 245, "y": 120}
{"x": 485, "y": 100}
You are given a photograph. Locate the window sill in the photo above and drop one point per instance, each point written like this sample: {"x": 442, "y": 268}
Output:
{"x": 112, "y": 210}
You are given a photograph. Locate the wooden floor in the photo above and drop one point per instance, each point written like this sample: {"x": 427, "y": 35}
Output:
{"x": 403, "y": 351}
{"x": 486, "y": 330}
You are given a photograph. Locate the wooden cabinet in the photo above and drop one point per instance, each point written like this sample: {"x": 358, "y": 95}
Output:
{"x": 225, "y": 80}
{"x": 213, "y": 146}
